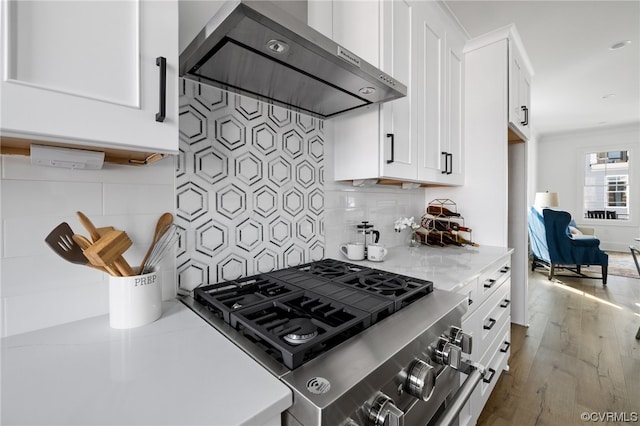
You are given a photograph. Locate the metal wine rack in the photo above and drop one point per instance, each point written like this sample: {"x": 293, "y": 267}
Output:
{"x": 444, "y": 225}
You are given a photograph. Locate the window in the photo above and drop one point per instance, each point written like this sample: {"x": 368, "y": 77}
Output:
{"x": 617, "y": 191}
{"x": 606, "y": 185}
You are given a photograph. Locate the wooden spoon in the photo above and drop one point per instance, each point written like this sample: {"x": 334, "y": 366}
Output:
{"x": 88, "y": 225}
{"x": 163, "y": 224}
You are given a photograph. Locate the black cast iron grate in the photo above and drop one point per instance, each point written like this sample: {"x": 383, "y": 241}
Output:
{"x": 271, "y": 322}
{"x": 297, "y": 313}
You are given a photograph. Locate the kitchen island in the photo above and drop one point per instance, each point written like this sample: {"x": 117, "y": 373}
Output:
{"x": 175, "y": 371}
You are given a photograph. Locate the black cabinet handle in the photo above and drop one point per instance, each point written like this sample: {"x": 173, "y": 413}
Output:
{"x": 526, "y": 116}
{"x": 492, "y": 322}
{"x": 489, "y": 283}
{"x": 470, "y": 302}
{"x": 505, "y": 303}
{"x": 161, "y": 61}
{"x": 506, "y": 347}
{"x": 505, "y": 269}
{"x": 492, "y": 372}
{"x": 448, "y": 163}
{"x": 393, "y": 148}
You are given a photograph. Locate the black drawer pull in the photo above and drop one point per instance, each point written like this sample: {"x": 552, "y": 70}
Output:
{"x": 470, "y": 302}
{"x": 505, "y": 303}
{"x": 393, "y": 147}
{"x": 489, "y": 283}
{"x": 505, "y": 270}
{"x": 492, "y": 372}
{"x": 492, "y": 322}
{"x": 506, "y": 347}
{"x": 162, "y": 63}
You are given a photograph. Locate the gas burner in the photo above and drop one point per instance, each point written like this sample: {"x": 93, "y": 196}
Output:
{"x": 383, "y": 284}
{"x": 329, "y": 271}
{"x": 304, "y": 331}
{"x": 329, "y": 268}
{"x": 245, "y": 300}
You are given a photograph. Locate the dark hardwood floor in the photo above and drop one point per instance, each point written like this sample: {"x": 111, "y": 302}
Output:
{"x": 578, "y": 355}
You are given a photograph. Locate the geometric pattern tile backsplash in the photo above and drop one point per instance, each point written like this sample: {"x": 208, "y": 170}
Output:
{"x": 249, "y": 187}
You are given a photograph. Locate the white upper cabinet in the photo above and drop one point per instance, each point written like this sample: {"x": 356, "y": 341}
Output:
{"x": 518, "y": 73}
{"x": 399, "y": 116}
{"x": 519, "y": 92}
{"x": 377, "y": 141}
{"x": 417, "y": 138}
{"x": 89, "y": 73}
{"x": 440, "y": 98}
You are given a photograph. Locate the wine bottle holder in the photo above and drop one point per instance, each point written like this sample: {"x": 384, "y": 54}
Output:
{"x": 444, "y": 225}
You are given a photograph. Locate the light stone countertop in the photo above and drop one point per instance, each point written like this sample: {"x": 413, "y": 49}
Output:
{"x": 447, "y": 267}
{"x": 175, "y": 371}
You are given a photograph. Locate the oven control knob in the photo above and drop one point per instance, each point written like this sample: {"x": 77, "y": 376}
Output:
{"x": 447, "y": 353}
{"x": 384, "y": 412}
{"x": 421, "y": 379}
{"x": 460, "y": 339}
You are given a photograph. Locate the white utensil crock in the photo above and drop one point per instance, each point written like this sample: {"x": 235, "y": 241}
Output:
{"x": 134, "y": 301}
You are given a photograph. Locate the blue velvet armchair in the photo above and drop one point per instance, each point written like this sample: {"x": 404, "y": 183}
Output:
{"x": 553, "y": 246}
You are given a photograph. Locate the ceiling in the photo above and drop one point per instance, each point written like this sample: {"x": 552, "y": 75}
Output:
{"x": 578, "y": 83}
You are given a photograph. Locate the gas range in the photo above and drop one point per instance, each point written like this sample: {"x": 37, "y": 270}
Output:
{"x": 357, "y": 346}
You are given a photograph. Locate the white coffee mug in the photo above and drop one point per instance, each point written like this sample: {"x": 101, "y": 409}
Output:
{"x": 353, "y": 251}
{"x": 376, "y": 252}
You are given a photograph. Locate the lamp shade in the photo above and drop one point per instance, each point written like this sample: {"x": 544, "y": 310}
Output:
{"x": 546, "y": 199}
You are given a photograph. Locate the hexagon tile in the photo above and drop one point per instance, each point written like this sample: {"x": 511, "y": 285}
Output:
{"x": 249, "y": 187}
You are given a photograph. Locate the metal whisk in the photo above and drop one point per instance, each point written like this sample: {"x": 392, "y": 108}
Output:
{"x": 163, "y": 245}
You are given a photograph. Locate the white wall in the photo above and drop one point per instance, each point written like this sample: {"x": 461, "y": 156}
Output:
{"x": 532, "y": 168}
{"x": 40, "y": 289}
{"x": 560, "y": 162}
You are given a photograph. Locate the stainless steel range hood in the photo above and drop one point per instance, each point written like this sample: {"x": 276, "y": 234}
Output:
{"x": 257, "y": 49}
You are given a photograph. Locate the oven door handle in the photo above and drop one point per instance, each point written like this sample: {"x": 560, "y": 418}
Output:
{"x": 450, "y": 414}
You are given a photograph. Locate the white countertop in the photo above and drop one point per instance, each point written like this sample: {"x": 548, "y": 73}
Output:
{"x": 175, "y": 371}
{"x": 447, "y": 267}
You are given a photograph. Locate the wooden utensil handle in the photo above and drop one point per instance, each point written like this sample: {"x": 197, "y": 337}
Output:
{"x": 123, "y": 266}
{"x": 89, "y": 226}
{"x": 84, "y": 244}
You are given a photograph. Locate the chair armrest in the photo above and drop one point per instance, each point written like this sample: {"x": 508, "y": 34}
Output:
{"x": 583, "y": 237}
{"x": 586, "y": 242}
{"x": 586, "y": 230}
